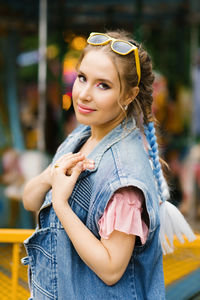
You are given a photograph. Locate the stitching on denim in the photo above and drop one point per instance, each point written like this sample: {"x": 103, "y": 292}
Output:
{"x": 43, "y": 291}
{"x": 40, "y": 249}
{"x": 110, "y": 144}
{"x": 117, "y": 161}
{"x": 85, "y": 189}
{"x": 91, "y": 213}
{"x": 54, "y": 263}
{"x": 83, "y": 204}
{"x": 132, "y": 276}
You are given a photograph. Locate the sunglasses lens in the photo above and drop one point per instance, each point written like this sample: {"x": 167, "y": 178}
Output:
{"x": 121, "y": 47}
{"x": 98, "y": 39}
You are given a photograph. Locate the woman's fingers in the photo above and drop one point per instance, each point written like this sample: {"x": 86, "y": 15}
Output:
{"x": 76, "y": 172}
{"x": 69, "y": 164}
{"x": 68, "y": 161}
{"x": 88, "y": 164}
{"x": 66, "y": 172}
{"x": 67, "y": 156}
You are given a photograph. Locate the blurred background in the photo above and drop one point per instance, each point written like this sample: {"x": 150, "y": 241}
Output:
{"x": 40, "y": 42}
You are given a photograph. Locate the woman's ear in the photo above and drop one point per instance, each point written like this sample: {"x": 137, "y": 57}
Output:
{"x": 135, "y": 91}
{"x": 132, "y": 95}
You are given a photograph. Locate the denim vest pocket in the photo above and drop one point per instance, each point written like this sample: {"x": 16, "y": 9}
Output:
{"x": 41, "y": 248}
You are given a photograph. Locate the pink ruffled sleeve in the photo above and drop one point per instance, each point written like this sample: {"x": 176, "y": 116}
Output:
{"x": 123, "y": 213}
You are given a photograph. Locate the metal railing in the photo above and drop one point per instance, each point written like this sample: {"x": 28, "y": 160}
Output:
{"x": 15, "y": 237}
{"x": 178, "y": 267}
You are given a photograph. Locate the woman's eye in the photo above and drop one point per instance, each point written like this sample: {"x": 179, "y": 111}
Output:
{"x": 103, "y": 86}
{"x": 81, "y": 78}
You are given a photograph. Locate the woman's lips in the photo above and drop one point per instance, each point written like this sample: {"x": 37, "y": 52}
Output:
{"x": 84, "y": 109}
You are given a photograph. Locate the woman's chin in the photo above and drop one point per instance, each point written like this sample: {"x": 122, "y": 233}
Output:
{"x": 82, "y": 120}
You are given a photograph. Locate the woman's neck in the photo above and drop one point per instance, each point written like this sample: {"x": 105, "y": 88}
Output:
{"x": 97, "y": 134}
{"x": 100, "y": 131}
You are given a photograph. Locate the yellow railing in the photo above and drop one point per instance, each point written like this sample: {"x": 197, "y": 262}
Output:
{"x": 184, "y": 260}
{"x": 15, "y": 237}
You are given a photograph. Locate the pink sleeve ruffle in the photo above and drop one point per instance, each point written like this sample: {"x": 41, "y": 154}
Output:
{"x": 123, "y": 213}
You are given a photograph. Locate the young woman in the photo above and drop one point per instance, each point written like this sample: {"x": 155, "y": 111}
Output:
{"x": 99, "y": 201}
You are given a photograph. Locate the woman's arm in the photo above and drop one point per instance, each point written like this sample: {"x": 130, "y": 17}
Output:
{"x": 107, "y": 258}
{"x": 36, "y": 189}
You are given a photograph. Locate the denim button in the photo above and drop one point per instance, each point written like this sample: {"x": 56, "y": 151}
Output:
{"x": 25, "y": 260}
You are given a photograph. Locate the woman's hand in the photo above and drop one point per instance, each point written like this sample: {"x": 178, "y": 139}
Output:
{"x": 64, "y": 175}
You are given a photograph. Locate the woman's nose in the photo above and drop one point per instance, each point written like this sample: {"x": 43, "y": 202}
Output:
{"x": 85, "y": 94}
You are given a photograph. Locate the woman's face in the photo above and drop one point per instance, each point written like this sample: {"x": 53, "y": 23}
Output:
{"x": 96, "y": 92}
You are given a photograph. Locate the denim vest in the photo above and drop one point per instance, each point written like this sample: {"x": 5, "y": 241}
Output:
{"x": 56, "y": 270}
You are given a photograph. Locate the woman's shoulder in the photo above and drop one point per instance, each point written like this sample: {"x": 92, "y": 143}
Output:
{"x": 130, "y": 152}
{"x": 127, "y": 164}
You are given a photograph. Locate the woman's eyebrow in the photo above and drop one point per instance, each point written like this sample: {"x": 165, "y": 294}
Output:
{"x": 105, "y": 80}
{"x": 80, "y": 72}
{"x": 97, "y": 79}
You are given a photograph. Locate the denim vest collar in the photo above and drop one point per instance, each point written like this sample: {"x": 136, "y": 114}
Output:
{"x": 118, "y": 133}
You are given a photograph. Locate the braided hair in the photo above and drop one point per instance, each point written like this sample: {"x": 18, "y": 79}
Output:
{"x": 172, "y": 222}
{"x": 142, "y": 104}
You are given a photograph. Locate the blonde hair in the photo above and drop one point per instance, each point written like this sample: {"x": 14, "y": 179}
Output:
{"x": 126, "y": 69}
{"x": 142, "y": 104}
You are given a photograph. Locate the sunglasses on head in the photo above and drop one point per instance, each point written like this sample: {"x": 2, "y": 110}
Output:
{"x": 118, "y": 46}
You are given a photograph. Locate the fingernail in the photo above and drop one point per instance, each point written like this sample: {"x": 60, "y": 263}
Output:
{"x": 90, "y": 167}
{"x": 80, "y": 165}
{"x": 91, "y": 162}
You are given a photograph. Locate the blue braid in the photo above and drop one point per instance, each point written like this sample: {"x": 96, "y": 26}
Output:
{"x": 154, "y": 155}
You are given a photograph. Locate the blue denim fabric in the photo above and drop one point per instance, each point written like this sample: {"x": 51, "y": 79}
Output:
{"x": 57, "y": 271}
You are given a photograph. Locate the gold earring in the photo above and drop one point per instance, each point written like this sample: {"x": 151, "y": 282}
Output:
{"x": 66, "y": 102}
{"x": 126, "y": 107}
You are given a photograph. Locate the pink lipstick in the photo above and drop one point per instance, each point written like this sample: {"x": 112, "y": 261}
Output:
{"x": 84, "y": 109}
